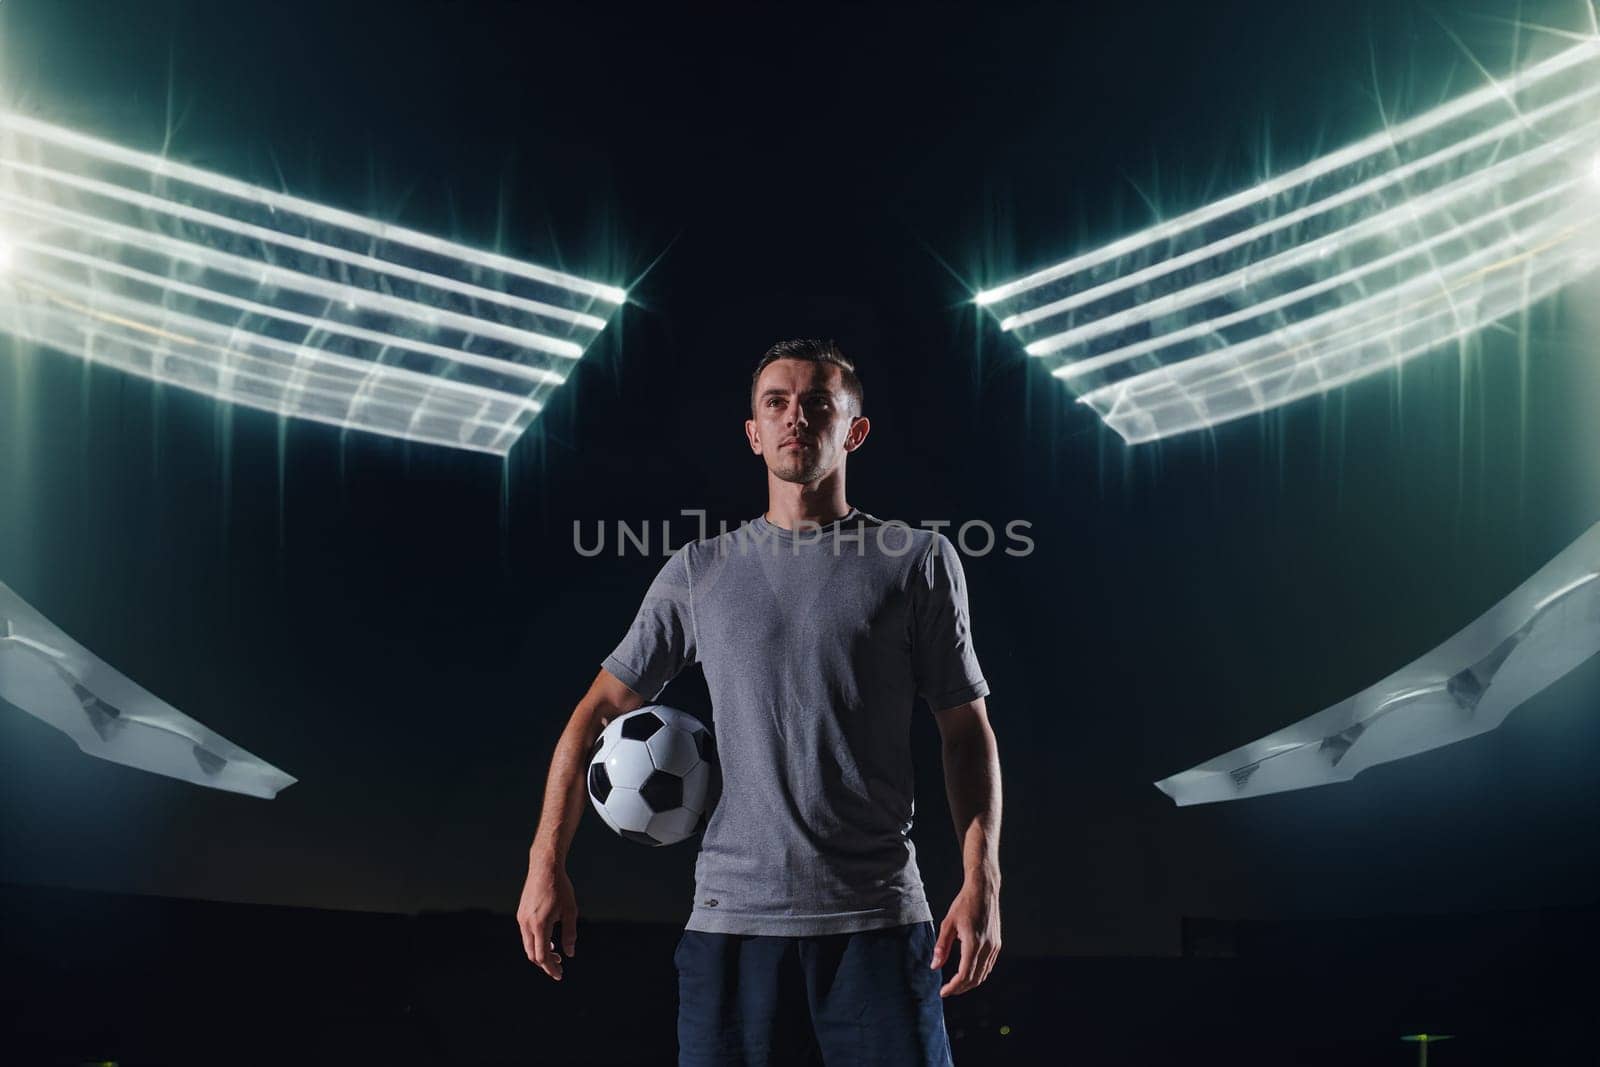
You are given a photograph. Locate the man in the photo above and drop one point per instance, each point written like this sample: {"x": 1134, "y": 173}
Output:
{"x": 817, "y": 626}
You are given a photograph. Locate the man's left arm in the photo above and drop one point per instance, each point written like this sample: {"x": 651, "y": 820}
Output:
{"x": 972, "y": 782}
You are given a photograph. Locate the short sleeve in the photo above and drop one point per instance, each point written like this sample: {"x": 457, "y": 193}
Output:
{"x": 943, "y": 659}
{"x": 660, "y": 643}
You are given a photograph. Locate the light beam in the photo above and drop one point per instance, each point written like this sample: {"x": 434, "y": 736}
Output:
{"x": 1456, "y": 218}
{"x": 259, "y": 298}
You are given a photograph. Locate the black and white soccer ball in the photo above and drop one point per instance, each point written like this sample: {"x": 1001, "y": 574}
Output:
{"x": 653, "y": 775}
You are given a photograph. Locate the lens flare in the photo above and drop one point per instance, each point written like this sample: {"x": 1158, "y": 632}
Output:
{"x": 255, "y": 297}
{"x": 1374, "y": 254}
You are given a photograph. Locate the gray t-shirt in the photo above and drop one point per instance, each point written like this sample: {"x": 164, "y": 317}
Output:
{"x": 815, "y": 645}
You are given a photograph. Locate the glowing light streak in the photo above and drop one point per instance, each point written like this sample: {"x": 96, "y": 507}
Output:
{"x": 1299, "y": 285}
{"x": 162, "y": 167}
{"x": 1285, "y": 221}
{"x": 324, "y": 390}
{"x": 268, "y": 275}
{"x": 1541, "y": 631}
{"x": 1149, "y": 407}
{"x": 316, "y": 248}
{"x": 1083, "y": 367}
{"x": 274, "y": 302}
{"x": 386, "y": 340}
{"x": 1438, "y": 203}
{"x": 1376, "y": 144}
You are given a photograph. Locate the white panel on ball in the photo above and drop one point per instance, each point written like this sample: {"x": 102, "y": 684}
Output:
{"x": 673, "y": 750}
{"x": 628, "y": 810}
{"x": 628, "y": 763}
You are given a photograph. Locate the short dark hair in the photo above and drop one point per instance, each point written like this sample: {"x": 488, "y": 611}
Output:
{"x": 812, "y": 351}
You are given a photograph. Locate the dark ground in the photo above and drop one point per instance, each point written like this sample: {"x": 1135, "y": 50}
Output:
{"x": 91, "y": 977}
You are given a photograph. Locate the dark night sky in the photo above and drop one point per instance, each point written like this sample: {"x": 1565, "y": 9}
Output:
{"x": 406, "y": 629}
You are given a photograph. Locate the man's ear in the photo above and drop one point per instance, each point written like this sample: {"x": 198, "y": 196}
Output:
{"x": 752, "y": 435}
{"x": 860, "y": 426}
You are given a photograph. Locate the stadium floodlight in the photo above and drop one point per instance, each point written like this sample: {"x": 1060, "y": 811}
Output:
{"x": 1383, "y": 250}
{"x": 259, "y": 298}
{"x": 1541, "y": 631}
{"x": 53, "y": 678}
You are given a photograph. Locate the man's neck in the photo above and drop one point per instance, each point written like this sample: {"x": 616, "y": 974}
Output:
{"x": 791, "y": 505}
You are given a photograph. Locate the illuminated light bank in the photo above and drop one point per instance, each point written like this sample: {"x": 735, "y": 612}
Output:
{"x": 1544, "y": 629}
{"x": 259, "y": 298}
{"x": 1352, "y": 264}
{"x": 53, "y": 678}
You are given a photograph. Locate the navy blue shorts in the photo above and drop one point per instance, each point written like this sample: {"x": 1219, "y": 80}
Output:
{"x": 866, "y": 998}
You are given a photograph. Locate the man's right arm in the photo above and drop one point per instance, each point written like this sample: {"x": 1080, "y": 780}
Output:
{"x": 547, "y": 896}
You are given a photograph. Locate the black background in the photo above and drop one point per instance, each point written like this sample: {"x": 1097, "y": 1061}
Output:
{"x": 406, "y": 629}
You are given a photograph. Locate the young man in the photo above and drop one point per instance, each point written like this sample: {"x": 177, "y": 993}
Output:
{"x": 817, "y": 626}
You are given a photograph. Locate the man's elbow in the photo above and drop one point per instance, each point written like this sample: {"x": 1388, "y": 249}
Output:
{"x": 966, "y": 727}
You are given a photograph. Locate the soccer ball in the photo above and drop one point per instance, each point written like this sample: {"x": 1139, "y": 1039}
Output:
{"x": 653, "y": 775}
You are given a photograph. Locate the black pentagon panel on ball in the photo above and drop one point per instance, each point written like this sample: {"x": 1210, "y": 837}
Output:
{"x": 599, "y": 782}
{"x": 640, "y": 838}
{"x": 641, "y": 727}
{"x": 707, "y": 745}
{"x": 662, "y": 791}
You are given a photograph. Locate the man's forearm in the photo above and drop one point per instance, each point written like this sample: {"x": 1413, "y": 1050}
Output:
{"x": 563, "y": 795}
{"x": 972, "y": 783}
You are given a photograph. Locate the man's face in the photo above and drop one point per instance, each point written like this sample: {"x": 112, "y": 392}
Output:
{"x": 804, "y": 421}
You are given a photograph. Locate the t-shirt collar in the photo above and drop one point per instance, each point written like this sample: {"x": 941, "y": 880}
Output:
{"x": 779, "y": 531}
